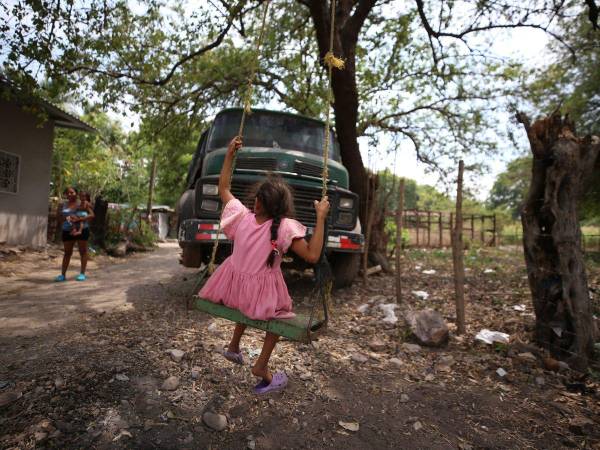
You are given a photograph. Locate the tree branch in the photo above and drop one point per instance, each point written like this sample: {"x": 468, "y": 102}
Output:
{"x": 357, "y": 19}
{"x": 164, "y": 80}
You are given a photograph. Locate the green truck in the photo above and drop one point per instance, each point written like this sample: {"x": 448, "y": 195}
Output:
{"x": 274, "y": 142}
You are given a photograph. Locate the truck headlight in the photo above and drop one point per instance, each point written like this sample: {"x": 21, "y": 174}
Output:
{"x": 210, "y": 205}
{"x": 345, "y": 218}
{"x": 210, "y": 189}
{"x": 346, "y": 203}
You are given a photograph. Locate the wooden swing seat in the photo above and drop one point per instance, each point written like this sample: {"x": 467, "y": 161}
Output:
{"x": 295, "y": 329}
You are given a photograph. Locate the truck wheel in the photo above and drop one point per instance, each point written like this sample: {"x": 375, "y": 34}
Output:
{"x": 345, "y": 267}
{"x": 191, "y": 256}
{"x": 184, "y": 209}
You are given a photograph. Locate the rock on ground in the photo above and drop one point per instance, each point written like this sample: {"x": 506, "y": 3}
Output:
{"x": 176, "y": 355}
{"x": 170, "y": 384}
{"x": 428, "y": 326}
{"x": 217, "y": 422}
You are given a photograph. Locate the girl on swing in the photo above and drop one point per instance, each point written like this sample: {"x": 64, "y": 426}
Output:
{"x": 250, "y": 280}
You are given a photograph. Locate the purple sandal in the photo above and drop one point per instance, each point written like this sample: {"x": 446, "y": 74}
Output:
{"x": 278, "y": 383}
{"x": 236, "y": 358}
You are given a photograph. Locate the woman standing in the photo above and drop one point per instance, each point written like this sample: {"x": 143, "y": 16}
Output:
{"x": 73, "y": 212}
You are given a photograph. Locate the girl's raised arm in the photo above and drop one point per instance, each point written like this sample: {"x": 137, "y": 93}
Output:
{"x": 225, "y": 176}
{"x": 311, "y": 251}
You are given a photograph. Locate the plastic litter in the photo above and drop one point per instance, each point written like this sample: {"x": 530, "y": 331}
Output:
{"x": 429, "y": 272}
{"x": 422, "y": 295}
{"x": 388, "y": 310}
{"x": 519, "y": 307}
{"x": 501, "y": 372}
{"x": 363, "y": 308}
{"x": 489, "y": 336}
{"x": 489, "y": 271}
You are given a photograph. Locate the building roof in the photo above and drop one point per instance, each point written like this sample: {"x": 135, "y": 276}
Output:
{"x": 61, "y": 118}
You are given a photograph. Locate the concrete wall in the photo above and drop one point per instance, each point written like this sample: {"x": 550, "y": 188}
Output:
{"x": 24, "y": 216}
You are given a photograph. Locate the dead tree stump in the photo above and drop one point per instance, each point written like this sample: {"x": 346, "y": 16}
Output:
{"x": 562, "y": 164}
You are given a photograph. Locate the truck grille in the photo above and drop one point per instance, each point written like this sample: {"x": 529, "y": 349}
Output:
{"x": 304, "y": 168}
{"x": 257, "y": 163}
{"x": 303, "y": 200}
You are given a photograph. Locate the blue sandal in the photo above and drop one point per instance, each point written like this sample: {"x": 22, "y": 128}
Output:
{"x": 59, "y": 278}
{"x": 81, "y": 277}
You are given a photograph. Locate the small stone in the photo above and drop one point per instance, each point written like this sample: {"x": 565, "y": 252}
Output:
{"x": 581, "y": 425}
{"x": 410, "y": 348}
{"x": 363, "y": 308}
{"x": 563, "y": 366}
{"x": 359, "y": 358}
{"x": 429, "y": 377}
{"x": 540, "y": 381}
{"x": 175, "y": 354}
{"x": 501, "y": 372}
{"x": 251, "y": 445}
{"x": 39, "y": 436}
{"x": 195, "y": 373}
{"x": 59, "y": 383}
{"x": 217, "y": 422}
{"x": 396, "y": 362}
{"x": 170, "y": 384}
{"x": 9, "y": 397}
{"x": 121, "y": 377}
{"x": 417, "y": 426}
{"x": 271, "y": 402}
{"x": 305, "y": 376}
{"x": 447, "y": 360}
{"x": 213, "y": 328}
{"x": 45, "y": 425}
{"x": 377, "y": 345}
{"x": 350, "y": 426}
{"x": 404, "y": 398}
{"x": 443, "y": 368}
{"x": 527, "y": 356}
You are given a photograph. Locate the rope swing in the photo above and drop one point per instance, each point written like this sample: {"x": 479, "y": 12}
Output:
{"x": 299, "y": 329}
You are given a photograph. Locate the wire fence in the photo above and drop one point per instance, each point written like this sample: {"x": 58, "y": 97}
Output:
{"x": 590, "y": 243}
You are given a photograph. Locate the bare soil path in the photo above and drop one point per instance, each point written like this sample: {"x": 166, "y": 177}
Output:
{"x": 31, "y": 301}
{"x": 82, "y": 366}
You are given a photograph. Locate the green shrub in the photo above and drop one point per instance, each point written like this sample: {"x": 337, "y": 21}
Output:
{"x": 126, "y": 224}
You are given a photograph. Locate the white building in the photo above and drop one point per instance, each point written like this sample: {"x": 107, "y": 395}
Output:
{"x": 26, "y": 142}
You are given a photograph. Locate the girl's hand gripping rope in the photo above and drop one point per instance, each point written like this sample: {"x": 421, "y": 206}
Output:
{"x": 322, "y": 208}
{"x": 234, "y": 145}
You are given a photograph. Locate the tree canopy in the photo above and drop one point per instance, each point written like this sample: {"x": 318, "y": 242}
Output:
{"x": 420, "y": 74}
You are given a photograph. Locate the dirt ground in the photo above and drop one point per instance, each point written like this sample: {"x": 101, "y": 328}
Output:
{"x": 82, "y": 365}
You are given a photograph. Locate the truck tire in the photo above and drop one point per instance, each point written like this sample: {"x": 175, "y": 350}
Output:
{"x": 185, "y": 209}
{"x": 191, "y": 256}
{"x": 345, "y": 267}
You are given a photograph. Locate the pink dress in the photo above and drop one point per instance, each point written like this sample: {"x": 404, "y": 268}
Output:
{"x": 244, "y": 281}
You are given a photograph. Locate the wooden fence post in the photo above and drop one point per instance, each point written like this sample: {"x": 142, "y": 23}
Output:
{"x": 457, "y": 256}
{"x": 371, "y": 180}
{"x": 418, "y": 224}
{"x": 428, "y": 228}
{"x": 472, "y": 228}
{"x": 482, "y": 231}
{"x": 440, "y": 230}
{"x": 399, "y": 229}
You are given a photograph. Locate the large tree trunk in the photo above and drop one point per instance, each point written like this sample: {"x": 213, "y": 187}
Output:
{"x": 348, "y": 22}
{"x": 562, "y": 164}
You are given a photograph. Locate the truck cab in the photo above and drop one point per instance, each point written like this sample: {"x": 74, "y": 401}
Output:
{"x": 275, "y": 142}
